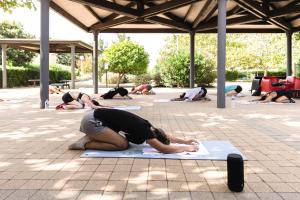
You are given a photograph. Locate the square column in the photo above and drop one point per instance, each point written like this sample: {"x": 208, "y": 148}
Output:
{"x": 4, "y": 71}
{"x": 221, "y": 53}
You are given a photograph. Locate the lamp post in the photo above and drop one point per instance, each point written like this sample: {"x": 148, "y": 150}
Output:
{"x": 106, "y": 69}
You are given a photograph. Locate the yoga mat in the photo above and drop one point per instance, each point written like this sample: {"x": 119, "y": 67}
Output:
{"x": 208, "y": 150}
{"x": 127, "y": 107}
{"x": 257, "y": 102}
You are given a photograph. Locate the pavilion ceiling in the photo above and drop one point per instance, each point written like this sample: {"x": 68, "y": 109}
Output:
{"x": 169, "y": 16}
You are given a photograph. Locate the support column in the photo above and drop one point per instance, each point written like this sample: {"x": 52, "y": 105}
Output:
{"x": 192, "y": 58}
{"x": 95, "y": 62}
{"x": 44, "y": 53}
{"x": 73, "y": 77}
{"x": 289, "y": 70}
{"x": 221, "y": 53}
{"x": 4, "y": 72}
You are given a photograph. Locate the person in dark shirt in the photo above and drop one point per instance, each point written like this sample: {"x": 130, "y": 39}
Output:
{"x": 112, "y": 129}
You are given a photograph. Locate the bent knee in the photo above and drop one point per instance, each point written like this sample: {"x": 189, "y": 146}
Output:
{"x": 123, "y": 145}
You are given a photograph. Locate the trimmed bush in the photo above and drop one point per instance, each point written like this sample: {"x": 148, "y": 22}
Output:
{"x": 232, "y": 75}
{"x": 142, "y": 79}
{"x": 174, "y": 69}
{"x": 19, "y": 76}
{"x": 271, "y": 73}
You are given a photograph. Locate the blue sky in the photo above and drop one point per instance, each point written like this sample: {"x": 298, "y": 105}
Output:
{"x": 61, "y": 28}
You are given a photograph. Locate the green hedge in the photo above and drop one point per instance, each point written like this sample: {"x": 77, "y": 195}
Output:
{"x": 19, "y": 76}
{"x": 271, "y": 73}
{"x": 232, "y": 75}
{"x": 235, "y": 75}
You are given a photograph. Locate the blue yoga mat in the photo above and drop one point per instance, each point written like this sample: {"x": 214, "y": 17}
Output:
{"x": 209, "y": 150}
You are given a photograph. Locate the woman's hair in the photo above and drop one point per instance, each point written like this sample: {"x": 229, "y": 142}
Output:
{"x": 161, "y": 136}
{"x": 133, "y": 88}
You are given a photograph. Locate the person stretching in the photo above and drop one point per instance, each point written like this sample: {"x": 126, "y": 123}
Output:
{"x": 77, "y": 100}
{"x": 142, "y": 89}
{"x": 194, "y": 94}
{"x": 112, "y": 130}
{"x": 231, "y": 90}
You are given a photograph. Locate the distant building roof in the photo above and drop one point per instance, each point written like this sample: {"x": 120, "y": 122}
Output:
{"x": 55, "y": 46}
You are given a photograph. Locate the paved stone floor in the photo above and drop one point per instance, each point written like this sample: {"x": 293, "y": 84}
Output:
{"x": 36, "y": 164}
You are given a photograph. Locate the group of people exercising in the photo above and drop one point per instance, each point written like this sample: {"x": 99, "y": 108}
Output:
{"x": 110, "y": 129}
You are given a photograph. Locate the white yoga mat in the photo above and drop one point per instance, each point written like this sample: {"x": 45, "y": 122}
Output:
{"x": 127, "y": 107}
{"x": 208, "y": 150}
{"x": 258, "y": 102}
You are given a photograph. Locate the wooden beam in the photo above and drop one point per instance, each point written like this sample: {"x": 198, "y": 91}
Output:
{"x": 294, "y": 18}
{"x": 112, "y": 23}
{"x": 65, "y": 14}
{"x": 169, "y": 23}
{"x": 236, "y": 30}
{"x": 114, "y": 15}
{"x": 212, "y": 24}
{"x": 165, "y": 7}
{"x": 297, "y": 29}
{"x": 281, "y": 12}
{"x": 203, "y": 13}
{"x": 188, "y": 12}
{"x": 167, "y": 14}
{"x": 209, "y": 15}
{"x": 93, "y": 13}
{"x": 255, "y": 8}
{"x": 144, "y": 30}
{"x": 109, "y": 6}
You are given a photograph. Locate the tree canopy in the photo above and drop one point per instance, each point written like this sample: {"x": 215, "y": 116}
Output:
{"x": 9, "y": 5}
{"x": 126, "y": 57}
{"x": 243, "y": 51}
{"x": 16, "y": 57}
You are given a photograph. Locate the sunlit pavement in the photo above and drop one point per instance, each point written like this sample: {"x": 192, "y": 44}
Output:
{"x": 36, "y": 164}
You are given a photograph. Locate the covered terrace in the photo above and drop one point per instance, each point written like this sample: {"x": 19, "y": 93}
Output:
{"x": 55, "y": 46}
{"x": 174, "y": 16}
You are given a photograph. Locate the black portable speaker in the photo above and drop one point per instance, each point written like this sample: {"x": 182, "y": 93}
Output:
{"x": 235, "y": 172}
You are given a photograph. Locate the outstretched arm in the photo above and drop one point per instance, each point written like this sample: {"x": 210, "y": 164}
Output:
{"x": 181, "y": 141}
{"x": 171, "y": 148}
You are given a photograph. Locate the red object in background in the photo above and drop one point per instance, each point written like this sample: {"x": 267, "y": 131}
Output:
{"x": 290, "y": 83}
{"x": 297, "y": 84}
{"x": 266, "y": 84}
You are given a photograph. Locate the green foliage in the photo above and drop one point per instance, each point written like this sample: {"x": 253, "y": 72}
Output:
{"x": 297, "y": 36}
{"x": 9, "y": 5}
{"x": 232, "y": 75}
{"x": 174, "y": 69}
{"x": 142, "y": 79}
{"x": 126, "y": 57}
{"x": 19, "y": 76}
{"x": 297, "y": 70}
{"x": 64, "y": 59}
{"x": 246, "y": 51}
{"x": 16, "y": 57}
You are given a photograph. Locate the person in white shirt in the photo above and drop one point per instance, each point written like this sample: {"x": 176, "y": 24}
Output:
{"x": 194, "y": 94}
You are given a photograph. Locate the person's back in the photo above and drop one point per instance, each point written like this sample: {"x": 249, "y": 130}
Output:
{"x": 135, "y": 127}
{"x": 232, "y": 89}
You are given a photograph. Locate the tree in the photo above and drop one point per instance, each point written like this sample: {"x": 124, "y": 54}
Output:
{"x": 16, "y": 57}
{"x": 126, "y": 57}
{"x": 122, "y": 37}
{"x": 9, "y": 5}
{"x": 174, "y": 68}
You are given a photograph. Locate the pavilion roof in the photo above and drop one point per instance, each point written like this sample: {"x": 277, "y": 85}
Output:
{"x": 55, "y": 46}
{"x": 171, "y": 16}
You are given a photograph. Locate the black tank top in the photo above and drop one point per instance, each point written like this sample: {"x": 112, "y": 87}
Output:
{"x": 136, "y": 129}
